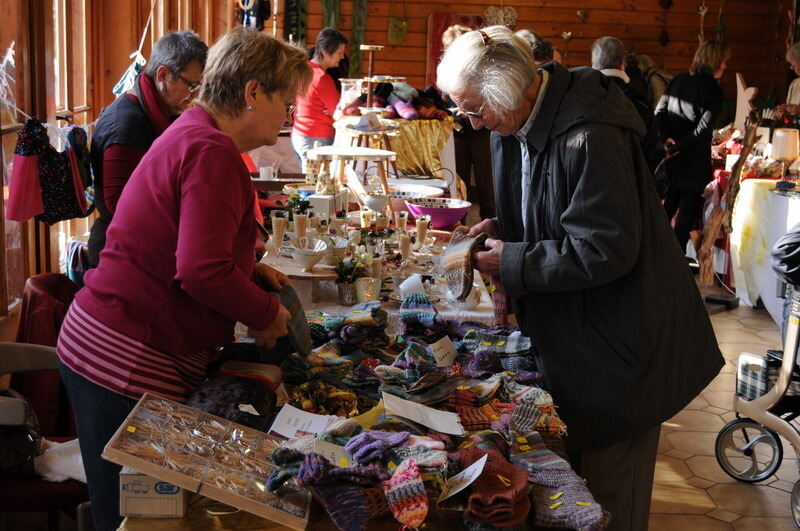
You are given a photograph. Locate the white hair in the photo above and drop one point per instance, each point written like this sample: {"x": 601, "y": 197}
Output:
{"x": 793, "y": 53}
{"x": 491, "y": 63}
{"x": 607, "y": 52}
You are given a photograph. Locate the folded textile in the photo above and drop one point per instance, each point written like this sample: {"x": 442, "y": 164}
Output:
{"x": 499, "y": 494}
{"x": 457, "y": 260}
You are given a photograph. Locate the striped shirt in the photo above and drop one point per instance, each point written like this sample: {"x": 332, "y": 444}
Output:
{"x": 128, "y": 367}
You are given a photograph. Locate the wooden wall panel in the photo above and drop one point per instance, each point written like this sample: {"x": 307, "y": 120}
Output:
{"x": 756, "y": 31}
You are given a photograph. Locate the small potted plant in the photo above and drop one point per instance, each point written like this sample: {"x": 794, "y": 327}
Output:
{"x": 347, "y": 271}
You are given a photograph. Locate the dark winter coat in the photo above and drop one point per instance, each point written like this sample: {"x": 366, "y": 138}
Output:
{"x": 599, "y": 283}
{"x": 686, "y": 113}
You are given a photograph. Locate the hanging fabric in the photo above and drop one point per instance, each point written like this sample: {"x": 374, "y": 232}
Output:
{"x": 398, "y": 27}
{"x": 125, "y": 83}
{"x": 295, "y": 20}
{"x": 357, "y": 36}
{"x": 331, "y": 13}
{"x": 45, "y": 183}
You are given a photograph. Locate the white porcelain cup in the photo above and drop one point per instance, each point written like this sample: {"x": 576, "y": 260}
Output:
{"x": 412, "y": 284}
{"x": 266, "y": 173}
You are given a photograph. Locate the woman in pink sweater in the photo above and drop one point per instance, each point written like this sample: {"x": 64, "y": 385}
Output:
{"x": 177, "y": 270}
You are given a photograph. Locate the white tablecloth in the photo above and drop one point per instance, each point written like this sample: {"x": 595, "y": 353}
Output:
{"x": 760, "y": 217}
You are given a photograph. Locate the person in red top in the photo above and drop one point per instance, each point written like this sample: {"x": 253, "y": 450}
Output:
{"x": 316, "y": 111}
{"x": 178, "y": 269}
{"x": 127, "y": 128}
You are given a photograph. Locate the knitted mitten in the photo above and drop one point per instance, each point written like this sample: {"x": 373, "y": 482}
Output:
{"x": 371, "y": 445}
{"x": 417, "y": 310}
{"x": 406, "y": 494}
{"x": 315, "y": 469}
{"x": 499, "y": 495}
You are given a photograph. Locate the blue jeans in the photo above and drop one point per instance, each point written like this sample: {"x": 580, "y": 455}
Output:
{"x": 301, "y": 144}
{"x": 98, "y": 414}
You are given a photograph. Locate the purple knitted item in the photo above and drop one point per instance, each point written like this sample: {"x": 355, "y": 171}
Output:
{"x": 484, "y": 363}
{"x": 315, "y": 469}
{"x": 346, "y": 504}
{"x": 371, "y": 445}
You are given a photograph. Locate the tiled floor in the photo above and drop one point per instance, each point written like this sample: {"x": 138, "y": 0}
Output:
{"x": 691, "y": 492}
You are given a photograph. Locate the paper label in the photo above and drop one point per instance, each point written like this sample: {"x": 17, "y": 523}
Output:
{"x": 292, "y": 422}
{"x": 444, "y": 351}
{"x": 442, "y": 421}
{"x": 248, "y": 408}
{"x": 463, "y": 479}
{"x": 333, "y": 452}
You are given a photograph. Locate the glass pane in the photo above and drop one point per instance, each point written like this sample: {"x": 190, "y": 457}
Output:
{"x": 79, "y": 47}
{"x": 15, "y": 257}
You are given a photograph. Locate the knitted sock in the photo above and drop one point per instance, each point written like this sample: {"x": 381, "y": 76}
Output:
{"x": 486, "y": 440}
{"x": 518, "y": 393}
{"x": 570, "y": 506}
{"x": 476, "y": 418}
{"x": 544, "y": 467}
{"x": 406, "y": 494}
{"x": 303, "y": 445}
{"x": 502, "y": 425}
{"x": 371, "y": 445}
{"x": 503, "y": 343}
{"x": 417, "y": 310}
{"x": 427, "y": 460}
{"x": 347, "y": 505}
{"x": 484, "y": 363}
{"x": 517, "y": 363}
{"x": 499, "y": 301}
{"x": 482, "y": 526}
{"x": 498, "y": 496}
{"x": 315, "y": 469}
{"x": 457, "y": 260}
{"x": 427, "y": 442}
{"x": 529, "y": 417}
{"x": 415, "y": 351}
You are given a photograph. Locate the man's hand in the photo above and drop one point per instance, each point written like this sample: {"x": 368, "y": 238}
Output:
{"x": 270, "y": 335}
{"x": 488, "y": 261}
{"x": 488, "y": 226}
{"x": 270, "y": 278}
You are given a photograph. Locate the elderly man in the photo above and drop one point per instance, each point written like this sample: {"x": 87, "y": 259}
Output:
{"x": 581, "y": 245}
{"x": 608, "y": 56}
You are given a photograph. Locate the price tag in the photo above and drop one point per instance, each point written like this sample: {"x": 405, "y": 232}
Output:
{"x": 463, "y": 479}
{"x": 444, "y": 351}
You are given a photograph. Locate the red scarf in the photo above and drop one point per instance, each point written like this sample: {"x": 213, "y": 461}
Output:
{"x": 151, "y": 101}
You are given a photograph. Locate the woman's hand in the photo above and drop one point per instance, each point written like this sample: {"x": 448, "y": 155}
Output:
{"x": 278, "y": 329}
{"x": 488, "y": 226}
{"x": 669, "y": 149}
{"x": 270, "y": 278}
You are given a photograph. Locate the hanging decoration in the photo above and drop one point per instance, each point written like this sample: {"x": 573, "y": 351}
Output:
{"x": 128, "y": 78}
{"x": 331, "y": 14}
{"x": 398, "y": 27}
{"x": 357, "y": 36}
{"x": 719, "y": 29}
{"x": 253, "y": 14}
{"x": 663, "y": 37}
{"x": 295, "y": 20}
{"x": 702, "y": 9}
{"x": 503, "y": 16}
{"x": 566, "y": 36}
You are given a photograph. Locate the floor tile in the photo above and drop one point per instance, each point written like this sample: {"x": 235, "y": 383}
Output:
{"x": 690, "y": 420}
{"x": 671, "y": 469}
{"x": 749, "y": 523}
{"x": 749, "y": 499}
{"x": 681, "y": 522}
{"x": 700, "y": 483}
{"x": 731, "y": 351}
{"x": 716, "y": 410}
{"x": 722, "y": 382}
{"x": 698, "y": 403}
{"x": 696, "y": 443}
{"x": 759, "y": 321}
{"x": 725, "y": 516}
{"x": 679, "y": 454}
{"x": 737, "y": 336}
{"x": 706, "y": 467}
{"x": 783, "y": 485}
{"x": 719, "y": 399}
{"x": 676, "y": 497}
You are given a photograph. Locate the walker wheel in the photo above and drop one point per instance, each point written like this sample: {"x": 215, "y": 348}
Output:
{"x": 747, "y": 451}
{"x": 795, "y": 501}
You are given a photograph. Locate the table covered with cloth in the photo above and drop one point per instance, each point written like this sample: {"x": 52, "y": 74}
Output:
{"x": 760, "y": 217}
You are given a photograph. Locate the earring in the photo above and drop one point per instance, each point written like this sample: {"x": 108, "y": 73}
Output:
{"x": 250, "y": 108}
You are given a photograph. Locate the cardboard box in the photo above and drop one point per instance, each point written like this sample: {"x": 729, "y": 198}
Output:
{"x": 208, "y": 455}
{"x": 142, "y": 495}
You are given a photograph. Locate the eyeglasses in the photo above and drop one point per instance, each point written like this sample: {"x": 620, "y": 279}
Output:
{"x": 477, "y": 115}
{"x": 289, "y": 107}
{"x": 193, "y": 86}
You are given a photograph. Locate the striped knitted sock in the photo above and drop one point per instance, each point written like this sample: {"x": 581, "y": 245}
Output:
{"x": 544, "y": 467}
{"x": 406, "y": 494}
{"x": 417, "y": 310}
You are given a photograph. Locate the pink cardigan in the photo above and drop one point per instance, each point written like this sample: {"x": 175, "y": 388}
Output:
{"x": 175, "y": 272}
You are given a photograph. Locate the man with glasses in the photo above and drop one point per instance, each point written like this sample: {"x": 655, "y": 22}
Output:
{"x": 127, "y": 127}
{"x": 584, "y": 252}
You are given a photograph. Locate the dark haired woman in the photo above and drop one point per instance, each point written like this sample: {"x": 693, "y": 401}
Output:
{"x": 314, "y": 116}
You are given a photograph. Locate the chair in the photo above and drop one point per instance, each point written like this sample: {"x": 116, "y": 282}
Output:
{"x": 34, "y": 369}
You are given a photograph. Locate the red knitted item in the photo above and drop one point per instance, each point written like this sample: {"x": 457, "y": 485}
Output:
{"x": 499, "y": 495}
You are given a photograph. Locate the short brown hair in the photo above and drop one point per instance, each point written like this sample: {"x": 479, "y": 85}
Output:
{"x": 709, "y": 57}
{"x": 242, "y": 55}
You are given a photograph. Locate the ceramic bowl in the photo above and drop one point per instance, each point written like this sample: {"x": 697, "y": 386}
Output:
{"x": 402, "y": 192}
{"x": 308, "y": 252}
{"x": 444, "y": 212}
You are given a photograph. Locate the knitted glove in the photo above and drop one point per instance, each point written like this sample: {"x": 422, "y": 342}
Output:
{"x": 371, "y": 445}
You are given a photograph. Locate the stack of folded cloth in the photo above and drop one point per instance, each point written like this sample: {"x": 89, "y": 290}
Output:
{"x": 499, "y": 495}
